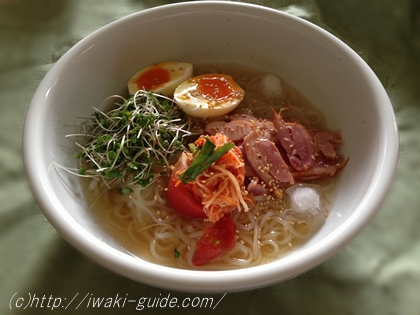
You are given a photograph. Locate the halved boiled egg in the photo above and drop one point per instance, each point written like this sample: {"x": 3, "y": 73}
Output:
{"x": 161, "y": 78}
{"x": 208, "y": 95}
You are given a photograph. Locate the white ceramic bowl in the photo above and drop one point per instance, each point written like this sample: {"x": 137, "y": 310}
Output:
{"x": 319, "y": 65}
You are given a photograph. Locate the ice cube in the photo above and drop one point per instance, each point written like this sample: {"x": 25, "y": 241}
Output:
{"x": 305, "y": 199}
{"x": 272, "y": 86}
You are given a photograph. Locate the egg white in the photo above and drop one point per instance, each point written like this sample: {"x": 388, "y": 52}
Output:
{"x": 178, "y": 73}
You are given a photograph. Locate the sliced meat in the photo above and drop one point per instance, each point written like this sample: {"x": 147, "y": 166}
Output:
{"x": 256, "y": 188}
{"x": 266, "y": 160}
{"x": 246, "y": 117}
{"x": 321, "y": 167}
{"x": 214, "y": 127}
{"x": 235, "y": 130}
{"x": 326, "y": 142}
{"x": 297, "y": 142}
{"x": 274, "y": 163}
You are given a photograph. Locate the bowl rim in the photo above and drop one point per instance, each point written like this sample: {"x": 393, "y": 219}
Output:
{"x": 208, "y": 281}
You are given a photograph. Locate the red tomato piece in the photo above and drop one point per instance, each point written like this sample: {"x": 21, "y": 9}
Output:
{"x": 180, "y": 197}
{"x": 218, "y": 239}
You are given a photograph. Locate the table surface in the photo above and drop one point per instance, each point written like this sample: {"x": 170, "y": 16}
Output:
{"x": 378, "y": 273}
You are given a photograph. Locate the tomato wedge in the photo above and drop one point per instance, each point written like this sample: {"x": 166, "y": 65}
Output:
{"x": 218, "y": 239}
{"x": 180, "y": 197}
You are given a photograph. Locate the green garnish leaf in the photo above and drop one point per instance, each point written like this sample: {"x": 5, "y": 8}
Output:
{"x": 79, "y": 155}
{"x": 133, "y": 139}
{"x": 145, "y": 181}
{"x": 177, "y": 254}
{"x": 133, "y": 166}
{"x": 125, "y": 190}
{"x": 204, "y": 159}
{"x": 137, "y": 139}
{"x": 112, "y": 173}
{"x": 100, "y": 140}
{"x": 112, "y": 155}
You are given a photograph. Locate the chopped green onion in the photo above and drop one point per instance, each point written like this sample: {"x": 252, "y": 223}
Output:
{"x": 204, "y": 159}
{"x": 193, "y": 148}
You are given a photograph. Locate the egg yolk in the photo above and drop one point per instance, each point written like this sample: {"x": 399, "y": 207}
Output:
{"x": 153, "y": 78}
{"x": 214, "y": 87}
